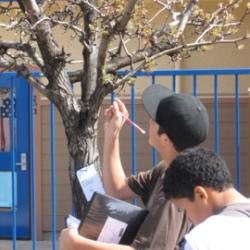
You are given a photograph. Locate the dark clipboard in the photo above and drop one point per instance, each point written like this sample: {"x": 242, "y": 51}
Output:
{"x": 102, "y": 210}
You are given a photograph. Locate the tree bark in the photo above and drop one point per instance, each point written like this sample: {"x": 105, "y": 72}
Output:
{"x": 83, "y": 149}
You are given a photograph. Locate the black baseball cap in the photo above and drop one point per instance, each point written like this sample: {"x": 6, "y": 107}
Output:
{"x": 182, "y": 116}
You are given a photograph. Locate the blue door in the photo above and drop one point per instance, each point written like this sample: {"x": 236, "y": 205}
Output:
{"x": 14, "y": 159}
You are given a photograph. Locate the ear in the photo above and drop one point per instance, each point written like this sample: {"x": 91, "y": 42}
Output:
{"x": 201, "y": 194}
{"x": 164, "y": 139}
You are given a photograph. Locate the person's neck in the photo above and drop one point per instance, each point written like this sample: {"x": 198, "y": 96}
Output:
{"x": 228, "y": 197}
{"x": 169, "y": 156}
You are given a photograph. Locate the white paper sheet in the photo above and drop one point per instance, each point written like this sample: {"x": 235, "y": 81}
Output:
{"x": 72, "y": 221}
{"x": 112, "y": 231}
{"x": 90, "y": 181}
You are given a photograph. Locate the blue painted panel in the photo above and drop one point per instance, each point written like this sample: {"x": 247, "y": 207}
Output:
{"x": 16, "y": 222}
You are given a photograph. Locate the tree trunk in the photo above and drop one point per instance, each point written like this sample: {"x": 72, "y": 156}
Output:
{"x": 83, "y": 148}
{"x": 80, "y": 120}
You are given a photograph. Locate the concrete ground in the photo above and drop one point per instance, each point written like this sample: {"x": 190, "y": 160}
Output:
{"x": 45, "y": 244}
{"x": 26, "y": 245}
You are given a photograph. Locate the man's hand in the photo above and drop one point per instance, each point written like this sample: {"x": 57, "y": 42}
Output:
{"x": 114, "y": 119}
{"x": 69, "y": 238}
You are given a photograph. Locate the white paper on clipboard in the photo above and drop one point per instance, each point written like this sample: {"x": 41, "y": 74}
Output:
{"x": 90, "y": 181}
{"x": 112, "y": 231}
{"x": 72, "y": 221}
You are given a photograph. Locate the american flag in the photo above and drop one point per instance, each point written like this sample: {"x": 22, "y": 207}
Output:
{"x": 5, "y": 129}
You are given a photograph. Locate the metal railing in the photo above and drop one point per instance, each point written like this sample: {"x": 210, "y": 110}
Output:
{"x": 172, "y": 74}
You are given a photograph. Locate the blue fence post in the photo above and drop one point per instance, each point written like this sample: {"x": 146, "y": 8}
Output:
{"x": 133, "y": 132}
{"x": 53, "y": 173}
{"x": 153, "y": 150}
{"x": 153, "y": 81}
{"x": 237, "y": 131}
{"x": 13, "y": 164}
{"x": 194, "y": 85}
{"x": 34, "y": 174}
{"x": 112, "y": 97}
{"x": 174, "y": 83}
{"x": 216, "y": 115}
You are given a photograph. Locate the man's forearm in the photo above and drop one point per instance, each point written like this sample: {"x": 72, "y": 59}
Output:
{"x": 71, "y": 240}
{"x": 113, "y": 173}
{"x": 95, "y": 245}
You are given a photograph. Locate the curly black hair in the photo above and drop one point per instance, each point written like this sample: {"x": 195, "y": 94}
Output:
{"x": 195, "y": 167}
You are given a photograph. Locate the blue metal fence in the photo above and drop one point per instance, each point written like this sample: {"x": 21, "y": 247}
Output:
{"x": 215, "y": 73}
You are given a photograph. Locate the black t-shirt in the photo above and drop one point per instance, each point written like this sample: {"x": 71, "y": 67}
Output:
{"x": 165, "y": 226}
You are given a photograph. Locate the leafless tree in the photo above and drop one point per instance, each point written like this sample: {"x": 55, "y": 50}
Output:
{"x": 105, "y": 30}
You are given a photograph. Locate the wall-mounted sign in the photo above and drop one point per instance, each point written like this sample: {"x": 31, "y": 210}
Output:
{"x": 6, "y": 189}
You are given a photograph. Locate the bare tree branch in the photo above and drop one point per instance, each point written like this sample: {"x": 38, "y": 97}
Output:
{"x": 212, "y": 26}
{"x": 24, "y": 72}
{"x": 25, "y": 47}
{"x": 185, "y": 17}
{"x": 75, "y": 76}
{"x": 29, "y": 5}
{"x": 90, "y": 55}
{"x": 157, "y": 13}
{"x": 174, "y": 50}
{"x": 45, "y": 18}
{"x": 119, "y": 63}
{"x": 152, "y": 54}
{"x": 91, "y": 5}
{"x": 127, "y": 52}
{"x": 68, "y": 25}
{"x": 9, "y": 26}
{"x": 106, "y": 37}
{"x": 34, "y": 82}
{"x": 222, "y": 9}
{"x": 40, "y": 24}
{"x": 120, "y": 26}
{"x": 4, "y": 64}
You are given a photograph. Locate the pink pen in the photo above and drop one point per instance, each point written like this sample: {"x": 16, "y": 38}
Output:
{"x": 134, "y": 124}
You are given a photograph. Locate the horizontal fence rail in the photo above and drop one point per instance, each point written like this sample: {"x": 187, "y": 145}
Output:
{"x": 215, "y": 74}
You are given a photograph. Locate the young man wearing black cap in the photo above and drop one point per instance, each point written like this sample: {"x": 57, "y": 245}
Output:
{"x": 199, "y": 182}
{"x": 177, "y": 122}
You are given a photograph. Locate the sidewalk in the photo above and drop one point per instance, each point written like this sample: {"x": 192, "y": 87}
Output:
{"x": 26, "y": 245}
{"x": 44, "y": 244}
